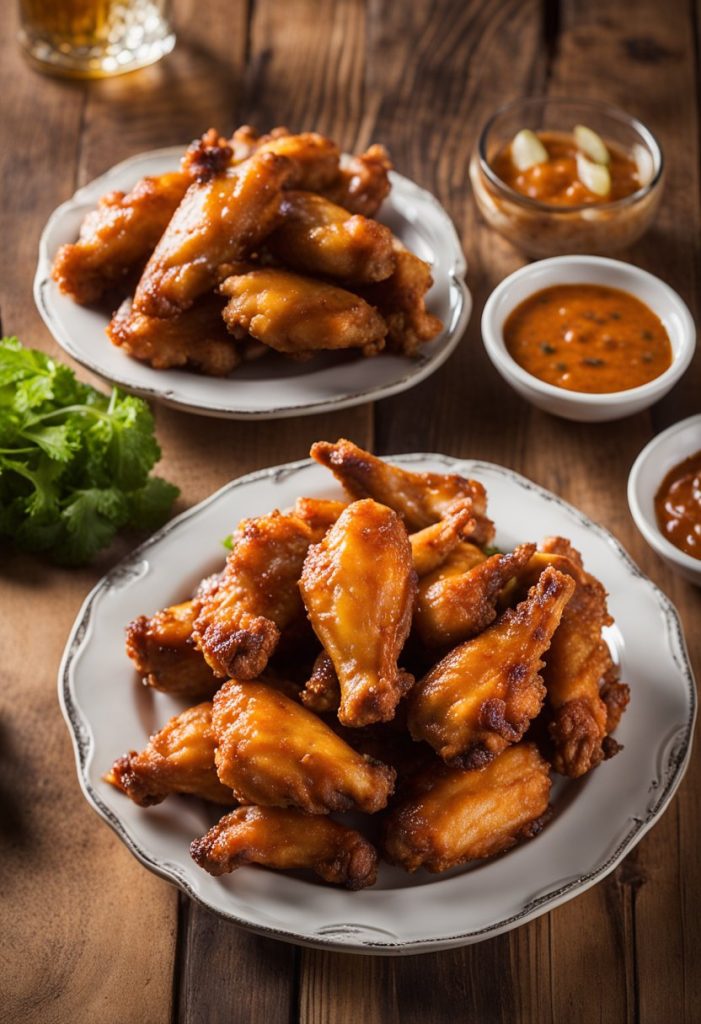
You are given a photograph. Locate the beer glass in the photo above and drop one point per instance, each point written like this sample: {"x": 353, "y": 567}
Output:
{"x": 94, "y": 38}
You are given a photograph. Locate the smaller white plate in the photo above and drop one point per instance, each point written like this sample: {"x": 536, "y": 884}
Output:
{"x": 596, "y": 821}
{"x": 274, "y": 387}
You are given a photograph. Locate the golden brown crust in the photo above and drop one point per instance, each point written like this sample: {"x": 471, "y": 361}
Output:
{"x": 452, "y": 816}
{"x": 284, "y": 840}
{"x": 322, "y": 691}
{"x": 431, "y": 546}
{"x": 482, "y": 696}
{"x": 358, "y": 586}
{"x": 401, "y": 299}
{"x": 163, "y": 651}
{"x": 273, "y": 752}
{"x": 178, "y": 759}
{"x": 363, "y": 184}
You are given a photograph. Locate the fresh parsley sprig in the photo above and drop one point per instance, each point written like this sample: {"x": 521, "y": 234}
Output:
{"x": 74, "y": 463}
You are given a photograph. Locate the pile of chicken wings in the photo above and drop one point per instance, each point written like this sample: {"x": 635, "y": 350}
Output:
{"x": 376, "y": 655}
{"x": 258, "y": 243}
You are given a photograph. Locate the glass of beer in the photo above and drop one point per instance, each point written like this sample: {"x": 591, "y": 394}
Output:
{"x": 94, "y": 38}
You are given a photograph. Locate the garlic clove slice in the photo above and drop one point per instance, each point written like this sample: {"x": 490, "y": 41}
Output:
{"x": 527, "y": 150}
{"x": 591, "y": 144}
{"x": 595, "y": 177}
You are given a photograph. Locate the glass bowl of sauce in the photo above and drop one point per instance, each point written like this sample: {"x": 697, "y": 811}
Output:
{"x": 664, "y": 495}
{"x": 586, "y": 337}
{"x": 553, "y": 204}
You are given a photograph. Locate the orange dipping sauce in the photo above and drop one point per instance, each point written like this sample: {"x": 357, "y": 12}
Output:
{"x": 678, "y": 506}
{"x": 587, "y": 337}
{"x": 557, "y": 182}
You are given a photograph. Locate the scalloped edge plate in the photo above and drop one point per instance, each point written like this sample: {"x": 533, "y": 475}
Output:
{"x": 272, "y": 388}
{"x": 596, "y": 822}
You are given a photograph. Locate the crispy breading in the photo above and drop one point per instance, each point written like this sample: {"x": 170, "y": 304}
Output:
{"x": 287, "y": 839}
{"x": 273, "y": 752}
{"x": 162, "y": 648}
{"x": 363, "y": 183}
{"x": 431, "y": 546}
{"x": 401, "y": 299}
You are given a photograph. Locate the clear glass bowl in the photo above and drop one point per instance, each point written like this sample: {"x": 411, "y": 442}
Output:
{"x": 544, "y": 229}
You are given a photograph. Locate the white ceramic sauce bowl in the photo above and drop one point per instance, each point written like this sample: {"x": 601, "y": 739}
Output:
{"x": 650, "y": 468}
{"x": 578, "y": 405}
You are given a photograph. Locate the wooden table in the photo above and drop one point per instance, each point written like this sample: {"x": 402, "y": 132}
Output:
{"x": 89, "y": 935}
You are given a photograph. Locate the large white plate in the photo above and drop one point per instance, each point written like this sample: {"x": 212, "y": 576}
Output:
{"x": 596, "y": 822}
{"x": 273, "y": 387}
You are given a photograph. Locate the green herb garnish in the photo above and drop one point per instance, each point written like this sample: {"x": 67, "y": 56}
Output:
{"x": 74, "y": 463}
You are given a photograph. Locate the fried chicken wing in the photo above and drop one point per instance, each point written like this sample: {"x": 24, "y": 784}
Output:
{"x": 240, "y": 619}
{"x": 117, "y": 237}
{"x": 273, "y": 752}
{"x": 319, "y": 513}
{"x": 300, "y": 315}
{"x": 322, "y": 691}
{"x": 284, "y": 840}
{"x": 246, "y": 140}
{"x": 178, "y": 759}
{"x": 363, "y": 183}
{"x": 313, "y": 159}
{"x": 401, "y": 300}
{"x": 456, "y": 816}
{"x": 317, "y": 237}
{"x": 358, "y": 586}
{"x": 221, "y": 219}
{"x": 482, "y": 696}
{"x": 431, "y": 546}
{"x": 197, "y": 338}
{"x": 420, "y": 498}
{"x": 575, "y": 666}
{"x": 164, "y": 652}
{"x": 457, "y": 607}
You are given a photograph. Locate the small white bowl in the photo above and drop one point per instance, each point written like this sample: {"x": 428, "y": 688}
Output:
{"x": 650, "y": 468}
{"x": 578, "y": 405}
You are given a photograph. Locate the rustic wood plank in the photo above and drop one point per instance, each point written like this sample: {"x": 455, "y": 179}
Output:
{"x": 646, "y": 65}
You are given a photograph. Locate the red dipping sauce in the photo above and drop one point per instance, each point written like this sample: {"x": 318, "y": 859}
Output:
{"x": 678, "y": 506}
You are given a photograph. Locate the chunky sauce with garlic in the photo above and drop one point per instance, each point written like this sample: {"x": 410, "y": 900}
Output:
{"x": 556, "y": 181}
{"x": 678, "y": 506}
{"x": 586, "y": 337}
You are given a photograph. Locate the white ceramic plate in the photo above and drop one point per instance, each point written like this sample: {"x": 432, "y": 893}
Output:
{"x": 596, "y": 822}
{"x": 273, "y": 387}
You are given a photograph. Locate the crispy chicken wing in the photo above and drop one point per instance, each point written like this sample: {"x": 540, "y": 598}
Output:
{"x": 455, "y": 816}
{"x": 164, "y": 652}
{"x": 118, "y": 236}
{"x": 313, "y": 158}
{"x": 240, "y": 619}
{"x": 358, "y": 587}
{"x": 197, "y": 338}
{"x": 317, "y": 237}
{"x": 457, "y": 607}
{"x": 322, "y": 691}
{"x": 482, "y": 696}
{"x": 420, "y": 498}
{"x": 273, "y": 752}
{"x": 247, "y": 139}
{"x": 400, "y": 299}
{"x": 363, "y": 183}
{"x": 300, "y": 315}
{"x": 319, "y": 513}
{"x": 178, "y": 759}
{"x": 221, "y": 219}
{"x": 431, "y": 546}
{"x": 284, "y": 840}
{"x": 575, "y": 666}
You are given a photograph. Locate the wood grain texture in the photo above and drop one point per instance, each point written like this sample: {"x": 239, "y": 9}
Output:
{"x": 93, "y": 934}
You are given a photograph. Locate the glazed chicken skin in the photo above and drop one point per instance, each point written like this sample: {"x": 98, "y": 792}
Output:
{"x": 400, "y": 298}
{"x": 286, "y": 839}
{"x": 221, "y": 219}
{"x": 363, "y": 183}
{"x": 165, "y": 655}
{"x": 575, "y": 666}
{"x": 239, "y": 622}
{"x": 454, "y": 816}
{"x": 197, "y": 338}
{"x": 117, "y": 237}
{"x": 431, "y": 546}
{"x": 319, "y": 513}
{"x": 322, "y": 691}
{"x": 419, "y": 498}
{"x": 313, "y": 159}
{"x": 459, "y": 606}
{"x": 178, "y": 759}
{"x": 300, "y": 315}
{"x": 273, "y": 752}
{"x": 358, "y": 586}
{"x": 317, "y": 237}
{"x": 482, "y": 696}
